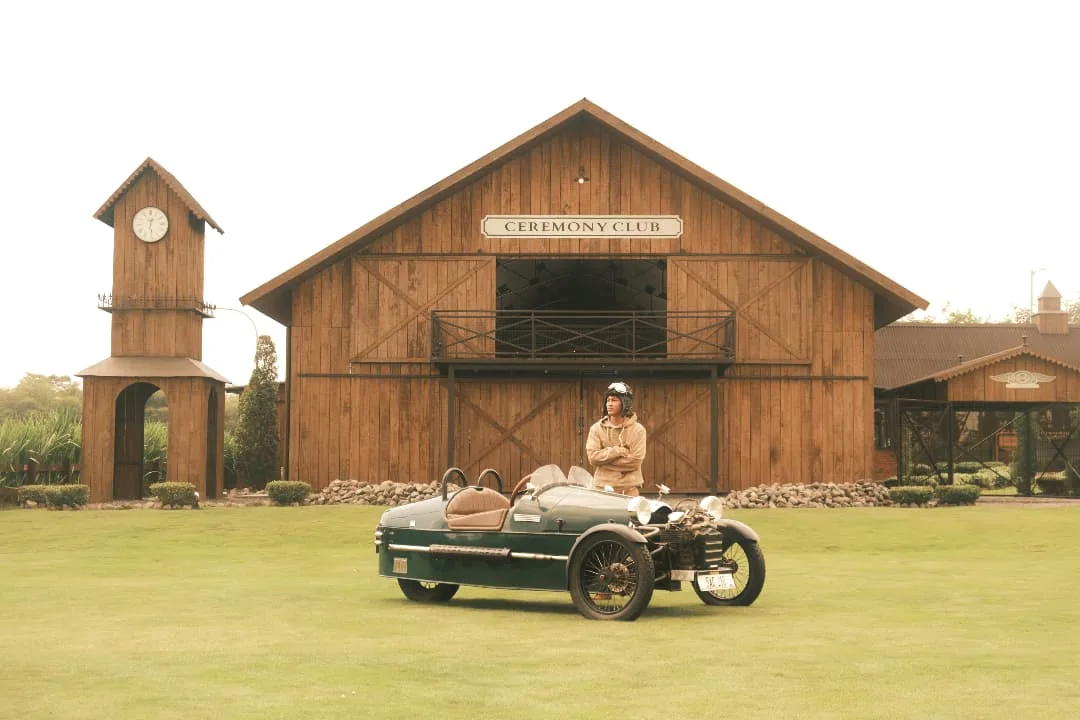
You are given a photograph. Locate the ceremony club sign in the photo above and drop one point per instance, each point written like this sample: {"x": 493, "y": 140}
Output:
{"x": 581, "y": 226}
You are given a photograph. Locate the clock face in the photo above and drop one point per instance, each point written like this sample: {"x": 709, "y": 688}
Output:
{"x": 150, "y": 224}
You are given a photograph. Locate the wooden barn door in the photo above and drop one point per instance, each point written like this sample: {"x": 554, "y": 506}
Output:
{"x": 393, "y": 299}
{"x": 518, "y": 425}
{"x": 515, "y": 426}
{"x": 769, "y": 296}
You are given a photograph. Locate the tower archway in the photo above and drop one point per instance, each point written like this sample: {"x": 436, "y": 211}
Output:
{"x": 130, "y": 439}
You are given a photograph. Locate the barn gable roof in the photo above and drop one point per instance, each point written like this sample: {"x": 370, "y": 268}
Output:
{"x": 891, "y": 300}
{"x": 105, "y": 212}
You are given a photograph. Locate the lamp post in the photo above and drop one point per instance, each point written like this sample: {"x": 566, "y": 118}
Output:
{"x": 250, "y": 320}
{"x": 1031, "y": 289}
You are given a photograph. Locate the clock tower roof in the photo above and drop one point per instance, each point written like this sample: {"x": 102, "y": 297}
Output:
{"x": 105, "y": 212}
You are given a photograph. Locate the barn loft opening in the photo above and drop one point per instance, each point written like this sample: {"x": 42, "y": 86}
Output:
{"x": 580, "y": 284}
{"x": 581, "y": 306}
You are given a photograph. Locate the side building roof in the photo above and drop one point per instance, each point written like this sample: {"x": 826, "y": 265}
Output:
{"x": 907, "y": 353}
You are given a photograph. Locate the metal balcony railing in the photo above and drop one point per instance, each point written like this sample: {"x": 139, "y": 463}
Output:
{"x": 109, "y": 304}
{"x": 582, "y": 336}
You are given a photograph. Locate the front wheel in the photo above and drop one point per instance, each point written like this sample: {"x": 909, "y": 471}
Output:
{"x": 429, "y": 592}
{"x": 747, "y": 563}
{"x": 611, "y": 578}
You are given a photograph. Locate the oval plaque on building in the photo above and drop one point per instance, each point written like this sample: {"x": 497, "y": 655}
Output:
{"x": 581, "y": 226}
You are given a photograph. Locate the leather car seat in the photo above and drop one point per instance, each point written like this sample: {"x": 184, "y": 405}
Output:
{"x": 476, "y": 508}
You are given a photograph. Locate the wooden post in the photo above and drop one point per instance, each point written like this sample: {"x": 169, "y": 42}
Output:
{"x": 950, "y": 439}
{"x": 898, "y": 442}
{"x": 714, "y": 432}
{"x": 450, "y": 418}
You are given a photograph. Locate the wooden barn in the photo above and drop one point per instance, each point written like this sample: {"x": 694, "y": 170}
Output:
{"x": 477, "y": 323}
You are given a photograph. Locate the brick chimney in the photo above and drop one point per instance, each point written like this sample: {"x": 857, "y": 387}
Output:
{"x": 1050, "y": 319}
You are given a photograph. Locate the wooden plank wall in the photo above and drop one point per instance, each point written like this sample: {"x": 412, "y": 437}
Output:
{"x": 169, "y": 268}
{"x": 797, "y": 408}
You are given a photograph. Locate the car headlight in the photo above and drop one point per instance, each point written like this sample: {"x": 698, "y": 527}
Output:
{"x": 712, "y": 506}
{"x": 640, "y": 508}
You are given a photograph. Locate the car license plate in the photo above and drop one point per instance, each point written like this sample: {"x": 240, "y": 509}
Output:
{"x": 709, "y": 583}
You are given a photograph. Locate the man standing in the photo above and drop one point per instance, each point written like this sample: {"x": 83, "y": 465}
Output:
{"x": 616, "y": 444}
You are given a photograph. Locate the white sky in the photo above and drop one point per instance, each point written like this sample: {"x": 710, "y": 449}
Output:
{"x": 937, "y": 142}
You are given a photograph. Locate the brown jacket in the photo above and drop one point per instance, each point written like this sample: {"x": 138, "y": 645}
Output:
{"x": 616, "y": 452}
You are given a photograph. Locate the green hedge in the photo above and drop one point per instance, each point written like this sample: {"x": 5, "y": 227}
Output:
{"x": 921, "y": 480}
{"x": 57, "y": 496}
{"x": 987, "y": 478}
{"x": 912, "y": 494}
{"x": 174, "y": 493}
{"x": 957, "y": 494}
{"x": 287, "y": 492}
{"x": 33, "y": 493}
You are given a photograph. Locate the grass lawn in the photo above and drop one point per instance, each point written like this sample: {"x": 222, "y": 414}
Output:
{"x": 278, "y": 613}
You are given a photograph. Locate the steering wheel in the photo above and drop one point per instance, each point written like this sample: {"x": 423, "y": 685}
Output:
{"x": 519, "y": 489}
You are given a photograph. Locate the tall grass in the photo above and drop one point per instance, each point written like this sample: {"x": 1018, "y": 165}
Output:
{"x": 55, "y": 440}
{"x": 52, "y": 439}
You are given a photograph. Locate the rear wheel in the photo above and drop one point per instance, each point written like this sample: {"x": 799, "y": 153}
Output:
{"x": 430, "y": 592}
{"x": 611, "y": 578}
{"x": 747, "y": 563}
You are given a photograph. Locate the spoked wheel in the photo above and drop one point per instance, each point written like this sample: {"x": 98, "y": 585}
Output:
{"x": 430, "y": 592}
{"x": 747, "y": 563}
{"x": 611, "y": 578}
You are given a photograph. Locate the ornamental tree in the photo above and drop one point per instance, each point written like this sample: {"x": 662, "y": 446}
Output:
{"x": 257, "y": 444}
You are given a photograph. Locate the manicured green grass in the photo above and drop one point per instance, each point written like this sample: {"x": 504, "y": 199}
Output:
{"x": 278, "y": 613}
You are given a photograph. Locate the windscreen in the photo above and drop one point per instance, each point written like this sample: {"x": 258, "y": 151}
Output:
{"x": 546, "y": 475}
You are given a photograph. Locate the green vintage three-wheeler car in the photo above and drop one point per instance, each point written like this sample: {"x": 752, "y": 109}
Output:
{"x": 555, "y": 532}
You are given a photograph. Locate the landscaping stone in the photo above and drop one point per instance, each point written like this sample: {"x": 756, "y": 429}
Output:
{"x": 819, "y": 495}
{"x": 815, "y": 495}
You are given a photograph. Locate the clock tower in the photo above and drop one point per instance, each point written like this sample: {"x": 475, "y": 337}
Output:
{"x": 157, "y": 309}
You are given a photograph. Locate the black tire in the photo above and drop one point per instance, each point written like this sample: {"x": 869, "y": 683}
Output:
{"x": 429, "y": 592}
{"x": 748, "y": 561}
{"x": 611, "y": 578}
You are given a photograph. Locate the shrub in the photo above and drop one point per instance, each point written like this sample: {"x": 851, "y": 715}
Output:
{"x": 229, "y": 448}
{"x": 987, "y": 478}
{"x": 1072, "y": 480}
{"x": 930, "y": 480}
{"x": 174, "y": 493}
{"x": 890, "y": 482}
{"x": 287, "y": 492}
{"x": 912, "y": 494}
{"x": 921, "y": 469}
{"x": 1022, "y": 470}
{"x": 957, "y": 494}
{"x": 1051, "y": 484}
{"x": 35, "y": 493}
{"x": 71, "y": 495}
{"x": 969, "y": 466}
